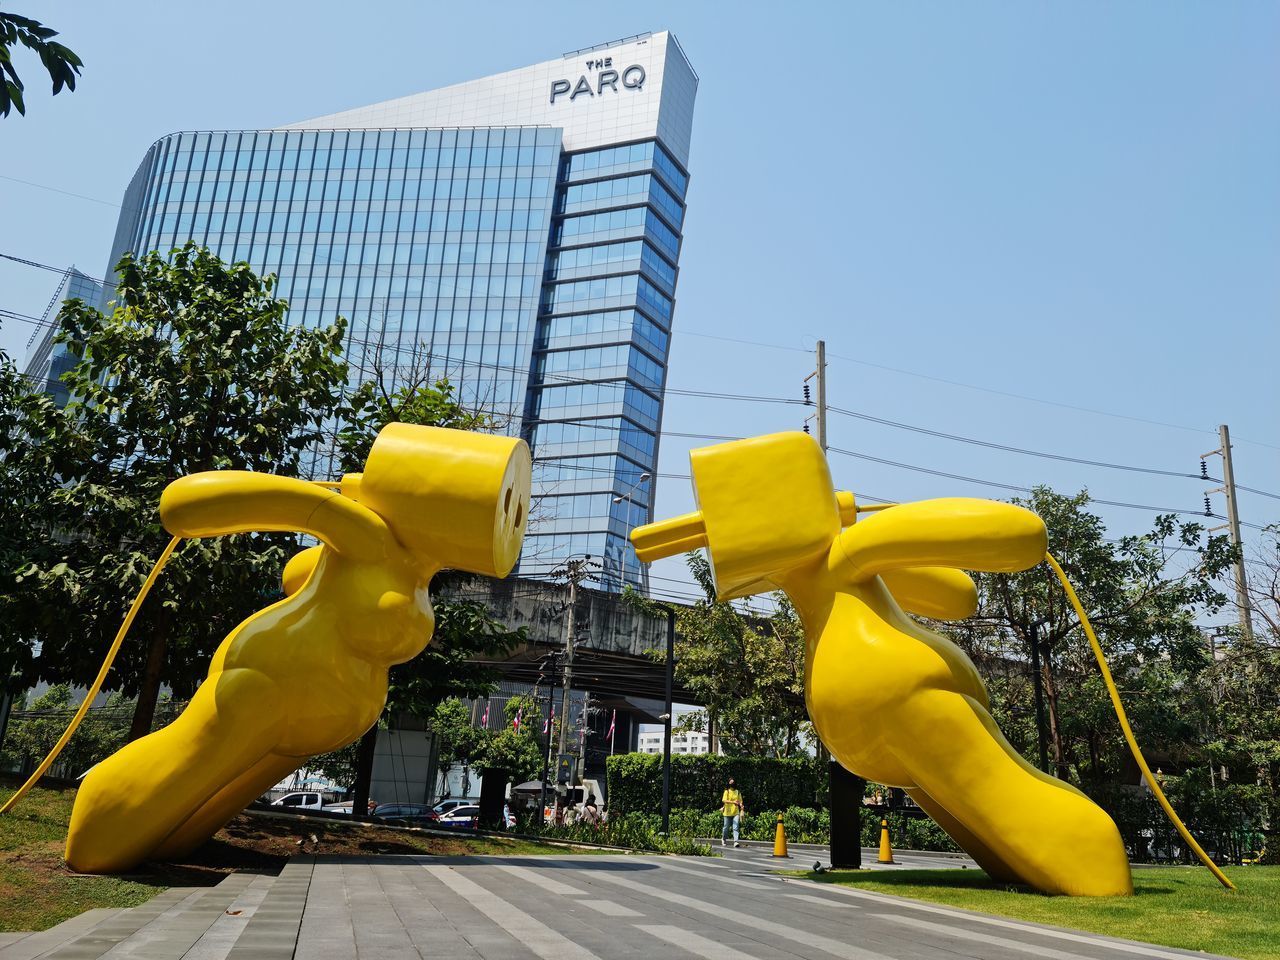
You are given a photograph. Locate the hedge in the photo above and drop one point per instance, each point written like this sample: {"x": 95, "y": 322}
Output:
{"x": 697, "y": 782}
{"x": 803, "y": 825}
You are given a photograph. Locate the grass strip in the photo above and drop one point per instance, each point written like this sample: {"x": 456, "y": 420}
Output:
{"x": 1172, "y": 906}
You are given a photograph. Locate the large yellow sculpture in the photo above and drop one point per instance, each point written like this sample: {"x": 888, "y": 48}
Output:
{"x": 309, "y": 673}
{"x": 894, "y": 702}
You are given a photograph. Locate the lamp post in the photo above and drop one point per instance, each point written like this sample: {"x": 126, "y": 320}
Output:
{"x": 627, "y": 497}
{"x": 666, "y": 721}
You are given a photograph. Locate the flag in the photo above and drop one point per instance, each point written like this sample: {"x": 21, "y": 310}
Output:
{"x": 484, "y": 720}
{"x": 613, "y": 725}
{"x": 515, "y": 724}
{"x": 546, "y": 724}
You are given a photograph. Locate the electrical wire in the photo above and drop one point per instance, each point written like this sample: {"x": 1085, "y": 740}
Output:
{"x": 1152, "y": 782}
{"x": 562, "y": 379}
{"x": 65, "y": 193}
{"x": 1012, "y": 449}
{"x": 1019, "y": 489}
{"x": 94, "y": 687}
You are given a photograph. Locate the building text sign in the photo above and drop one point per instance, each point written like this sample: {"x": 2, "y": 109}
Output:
{"x": 601, "y": 75}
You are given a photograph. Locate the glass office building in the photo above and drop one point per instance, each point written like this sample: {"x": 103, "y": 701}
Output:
{"x": 47, "y": 361}
{"x": 518, "y": 234}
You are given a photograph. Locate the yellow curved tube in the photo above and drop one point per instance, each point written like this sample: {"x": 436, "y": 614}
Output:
{"x": 94, "y": 687}
{"x": 308, "y": 674}
{"x": 1128, "y": 731}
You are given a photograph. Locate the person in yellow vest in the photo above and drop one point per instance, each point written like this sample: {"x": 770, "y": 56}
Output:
{"x": 731, "y": 809}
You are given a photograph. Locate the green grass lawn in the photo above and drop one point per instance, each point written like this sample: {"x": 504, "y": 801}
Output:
{"x": 37, "y": 890}
{"x": 1172, "y": 906}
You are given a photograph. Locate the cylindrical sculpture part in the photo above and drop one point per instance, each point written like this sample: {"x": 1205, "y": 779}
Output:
{"x": 461, "y": 498}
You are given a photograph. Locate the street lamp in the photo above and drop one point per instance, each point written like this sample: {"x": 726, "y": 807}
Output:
{"x": 627, "y": 497}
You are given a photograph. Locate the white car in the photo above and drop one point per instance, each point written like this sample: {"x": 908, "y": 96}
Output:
{"x": 468, "y": 818}
{"x": 301, "y": 800}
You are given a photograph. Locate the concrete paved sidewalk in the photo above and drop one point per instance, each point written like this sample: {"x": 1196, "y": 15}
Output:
{"x": 564, "y": 908}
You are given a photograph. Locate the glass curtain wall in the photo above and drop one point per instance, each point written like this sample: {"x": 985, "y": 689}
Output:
{"x": 431, "y": 243}
{"x": 599, "y": 367}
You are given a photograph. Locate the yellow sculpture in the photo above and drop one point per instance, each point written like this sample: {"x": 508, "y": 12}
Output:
{"x": 309, "y": 673}
{"x": 894, "y": 702}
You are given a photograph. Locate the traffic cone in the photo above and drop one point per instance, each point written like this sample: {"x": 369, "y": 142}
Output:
{"x": 886, "y": 851}
{"x": 780, "y": 840}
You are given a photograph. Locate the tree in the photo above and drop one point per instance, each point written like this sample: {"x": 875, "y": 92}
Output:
{"x": 33, "y": 735}
{"x": 1143, "y": 595}
{"x": 195, "y": 368}
{"x": 747, "y": 670}
{"x": 456, "y": 737}
{"x": 61, "y": 63}
{"x": 28, "y": 418}
{"x": 516, "y": 751}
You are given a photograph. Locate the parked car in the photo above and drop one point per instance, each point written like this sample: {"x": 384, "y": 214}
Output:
{"x": 406, "y": 814}
{"x": 464, "y": 817}
{"x": 444, "y": 806}
{"x": 345, "y": 807}
{"x": 467, "y": 817}
{"x": 301, "y": 800}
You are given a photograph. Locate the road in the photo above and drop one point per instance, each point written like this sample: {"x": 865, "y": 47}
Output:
{"x": 646, "y": 908}
{"x": 804, "y": 855}
{"x": 548, "y": 908}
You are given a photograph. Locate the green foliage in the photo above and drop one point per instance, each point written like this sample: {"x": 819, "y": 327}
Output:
{"x": 418, "y": 398}
{"x": 32, "y": 734}
{"x": 1143, "y": 595}
{"x": 338, "y": 765}
{"x": 194, "y": 369}
{"x": 465, "y": 631}
{"x": 746, "y": 670}
{"x": 635, "y": 831}
{"x": 517, "y": 753}
{"x": 698, "y": 781}
{"x": 62, "y": 65}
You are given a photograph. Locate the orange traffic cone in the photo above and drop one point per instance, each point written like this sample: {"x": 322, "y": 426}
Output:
{"x": 780, "y": 840}
{"x": 886, "y": 851}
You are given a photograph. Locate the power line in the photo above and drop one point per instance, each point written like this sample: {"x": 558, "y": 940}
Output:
{"x": 1011, "y": 449}
{"x": 44, "y": 266}
{"x": 561, "y": 379}
{"x": 66, "y": 193}
{"x": 1020, "y": 489}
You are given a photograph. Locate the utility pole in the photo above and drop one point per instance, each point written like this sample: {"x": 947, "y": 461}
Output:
{"x": 820, "y": 415}
{"x": 1232, "y": 526}
{"x": 822, "y": 395}
{"x": 575, "y": 571}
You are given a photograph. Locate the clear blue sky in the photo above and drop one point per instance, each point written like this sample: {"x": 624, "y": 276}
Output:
{"x": 1074, "y": 202}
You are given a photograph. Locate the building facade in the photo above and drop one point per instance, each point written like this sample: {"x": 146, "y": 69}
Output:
{"x": 519, "y": 235}
{"x": 690, "y": 742}
{"x": 47, "y": 361}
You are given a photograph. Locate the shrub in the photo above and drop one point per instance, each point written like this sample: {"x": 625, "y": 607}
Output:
{"x": 697, "y": 782}
{"x": 636, "y": 831}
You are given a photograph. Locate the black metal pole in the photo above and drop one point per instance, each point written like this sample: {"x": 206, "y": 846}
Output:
{"x": 1037, "y": 683}
{"x": 666, "y": 724}
{"x": 546, "y": 761}
{"x": 6, "y": 707}
{"x": 364, "y": 773}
